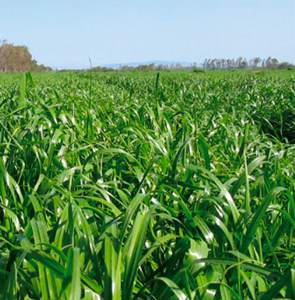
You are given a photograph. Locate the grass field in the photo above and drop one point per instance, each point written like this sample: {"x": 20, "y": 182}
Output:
{"x": 147, "y": 186}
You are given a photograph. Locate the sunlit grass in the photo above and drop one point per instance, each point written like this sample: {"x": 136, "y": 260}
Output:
{"x": 122, "y": 186}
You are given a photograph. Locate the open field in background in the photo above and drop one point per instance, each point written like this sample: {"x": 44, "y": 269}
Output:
{"x": 139, "y": 186}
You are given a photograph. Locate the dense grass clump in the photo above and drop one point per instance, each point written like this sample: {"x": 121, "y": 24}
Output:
{"x": 147, "y": 186}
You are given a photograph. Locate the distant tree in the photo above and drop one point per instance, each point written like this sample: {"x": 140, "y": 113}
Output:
{"x": 274, "y": 63}
{"x": 223, "y": 64}
{"x": 17, "y": 59}
{"x": 41, "y": 68}
{"x": 285, "y": 66}
{"x": 14, "y": 58}
{"x": 149, "y": 67}
{"x": 161, "y": 67}
{"x": 101, "y": 69}
{"x": 178, "y": 67}
{"x": 263, "y": 63}
{"x": 213, "y": 64}
{"x": 5, "y": 51}
{"x": 243, "y": 64}
{"x": 271, "y": 63}
{"x": 218, "y": 63}
{"x": 254, "y": 62}
{"x": 230, "y": 63}
{"x": 126, "y": 68}
{"x": 238, "y": 62}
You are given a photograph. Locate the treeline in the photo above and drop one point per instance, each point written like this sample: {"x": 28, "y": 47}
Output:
{"x": 18, "y": 59}
{"x": 240, "y": 63}
{"x": 161, "y": 67}
{"x": 148, "y": 67}
{"x": 244, "y": 64}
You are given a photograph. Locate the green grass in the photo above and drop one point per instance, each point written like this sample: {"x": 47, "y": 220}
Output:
{"x": 139, "y": 186}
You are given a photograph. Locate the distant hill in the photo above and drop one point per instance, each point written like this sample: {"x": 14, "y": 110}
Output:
{"x": 156, "y": 62}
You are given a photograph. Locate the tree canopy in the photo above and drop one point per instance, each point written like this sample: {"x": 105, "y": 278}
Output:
{"x": 18, "y": 59}
{"x": 243, "y": 64}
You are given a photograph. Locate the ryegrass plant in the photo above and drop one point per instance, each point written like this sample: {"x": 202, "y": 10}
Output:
{"x": 147, "y": 186}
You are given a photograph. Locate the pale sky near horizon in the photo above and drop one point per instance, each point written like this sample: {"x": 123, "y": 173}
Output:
{"x": 66, "y": 33}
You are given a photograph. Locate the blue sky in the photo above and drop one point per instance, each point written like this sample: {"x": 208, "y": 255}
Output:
{"x": 65, "y": 33}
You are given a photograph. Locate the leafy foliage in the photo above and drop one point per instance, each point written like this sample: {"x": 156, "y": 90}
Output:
{"x": 166, "y": 186}
{"x": 18, "y": 59}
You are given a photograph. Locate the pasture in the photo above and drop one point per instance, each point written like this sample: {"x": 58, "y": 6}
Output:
{"x": 176, "y": 185}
